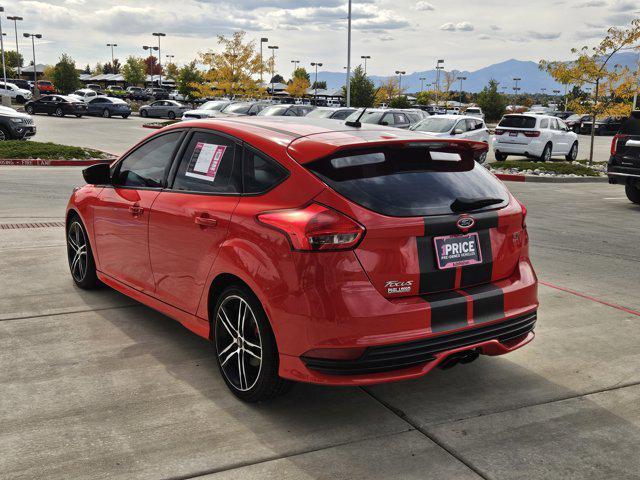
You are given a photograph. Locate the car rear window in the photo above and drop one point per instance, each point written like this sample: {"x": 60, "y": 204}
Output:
{"x": 632, "y": 125}
{"x": 517, "y": 121}
{"x": 408, "y": 182}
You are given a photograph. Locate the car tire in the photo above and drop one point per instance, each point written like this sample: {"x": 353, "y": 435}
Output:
{"x": 125, "y": 117}
{"x": 573, "y": 153}
{"x": 59, "y": 112}
{"x": 78, "y": 116}
{"x": 171, "y": 115}
{"x": 144, "y": 114}
{"x": 633, "y": 192}
{"x": 29, "y": 109}
{"x": 546, "y": 153}
{"x": 106, "y": 113}
{"x": 4, "y": 134}
{"x": 80, "y": 255}
{"x": 500, "y": 157}
{"x": 246, "y": 351}
{"x": 482, "y": 158}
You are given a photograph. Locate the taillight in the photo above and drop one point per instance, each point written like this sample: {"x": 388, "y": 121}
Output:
{"x": 614, "y": 143}
{"x": 499, "y": 131}
{"x": 532, "y": 133}
{"x": 315, "y": 228}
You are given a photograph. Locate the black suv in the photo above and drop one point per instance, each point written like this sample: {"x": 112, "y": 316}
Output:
{"x": 15, "y": 125}
{"x": 624, "y": 163}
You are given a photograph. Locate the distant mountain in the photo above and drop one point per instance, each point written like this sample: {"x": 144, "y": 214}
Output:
{"x": 533, "y": 79}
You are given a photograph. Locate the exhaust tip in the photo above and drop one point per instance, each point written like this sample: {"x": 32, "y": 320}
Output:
{"x": 454, "y": 359}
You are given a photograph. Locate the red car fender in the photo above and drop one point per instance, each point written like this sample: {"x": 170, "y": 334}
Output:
{"x": 80, "y": 203}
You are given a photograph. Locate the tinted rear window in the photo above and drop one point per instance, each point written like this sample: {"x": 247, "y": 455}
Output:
{"x": 517, "y": 121}
{"x": 401, "y": 182}
{"x": 632, "y": 125}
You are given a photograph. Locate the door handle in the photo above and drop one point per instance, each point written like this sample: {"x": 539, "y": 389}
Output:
{"x": 205, "y": 221}
{"x": 136, "y": 210}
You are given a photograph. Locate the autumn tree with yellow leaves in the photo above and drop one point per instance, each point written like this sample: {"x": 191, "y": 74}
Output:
{"x": 388, "y": 90}
{"x": 612, "y": 86}
{"x": 231, "y": 71}
{"x": 299, "y": 83}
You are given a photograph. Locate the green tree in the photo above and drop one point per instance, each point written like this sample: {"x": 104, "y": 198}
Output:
{"x": 172, "y": 71}
{"x": 277, "y": 78}
{"x": 133, "y": 71}
{"x": 493, "y": 104}
{"x": 87, "y": 69}
{"x": 302, "y": 74}
{"x": 115, "y": 68}
{"x": 425, "y": 97}
{"x": 400, "y": 102}
{"x": 188, "y": 79}
{"x": 319, "y": 85}
{"x": 13, "y": 60}
{"x": 363, "y": 91}
{"x": 65, "y": 76}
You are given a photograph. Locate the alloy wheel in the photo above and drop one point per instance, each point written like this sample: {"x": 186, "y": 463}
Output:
{"x": 238, "y": 343}
{"x": 59, "y": 112}
{"x": 574, "y": 152}
{"x": 547, "y": 153}
{"x": 3, "y": 136}
{"x": 77, "y": 251}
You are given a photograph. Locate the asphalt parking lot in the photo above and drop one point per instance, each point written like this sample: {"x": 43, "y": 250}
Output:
{"x": 116, "y": 135}
{"x": 94, "y": 385}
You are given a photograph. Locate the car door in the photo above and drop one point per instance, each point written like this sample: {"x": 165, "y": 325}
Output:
{"x": 189, "y": 221}
{"x": 121, "y": 219}
{"x": 567, "y": 137}
{"x": 44, "y": 105}
{"x": 557, "y": 138}
{"x": 94, "y": 107}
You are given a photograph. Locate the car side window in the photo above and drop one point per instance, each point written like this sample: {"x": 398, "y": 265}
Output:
{"x": 562, "y": 125}
{"x": 544, "y": 123}
{"x": 553, "y": 124}
{"x": 291, "y": 113}
{"x": 146, "y": 166}
{"x": 341, "y": 115}
{"x": 400, "y": 118}
{"x": 208, "y": 165}
{"x": 461, "y": 126}
{"x": 388, "y": 118}
{"x": 260, "y": 173}
{"x": 471, "y": 124}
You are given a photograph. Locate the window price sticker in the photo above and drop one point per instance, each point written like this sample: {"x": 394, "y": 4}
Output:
{"x": 205, "y": 161}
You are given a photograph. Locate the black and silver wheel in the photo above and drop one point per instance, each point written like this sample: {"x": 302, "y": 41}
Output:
{"x": 29, "y": 109}
{"x": 106, "y": 113}
{"x": 144, "y": 113}
{"x": 482, "y": 158}
{"x": 245, "y": 347}
{"x": 171, "y": 115}
{"x": 4, "y": 135}
{"x": 573, "y": 153}
{"x": 500, "y": 157}
{"x": 546, "y": 153}
{"x": 59, "y": 112}
{"x": 81, "y": 264}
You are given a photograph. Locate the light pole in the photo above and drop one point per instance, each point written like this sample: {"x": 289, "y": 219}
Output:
{"x": 15, "y": 27}
{"x": 349, "y": 56}
{"x": 112, "y": 45}
{"x": 461, "y": 79}
{"x": 170, "y": 58}
{"x": 4, "y": 67}
{"x": 273, "y": 49}
{"x": 422, "y": 79}
{"x": 159, "y": 34}
{"x": 439, "y": 66}
{"x": 262, "y": 40}
{"x": 365, "y": 58}
{"x": 295, "y": 64}
{"x": 315, "y": 83}
{"x": 516, "y": 89}
{"x": 33, "y": 47}
{"x": 150, "y": 49}
{"x": 400, "y": 73}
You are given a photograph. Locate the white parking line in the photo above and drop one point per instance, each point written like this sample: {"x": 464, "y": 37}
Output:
{"x": 614, "y": 198}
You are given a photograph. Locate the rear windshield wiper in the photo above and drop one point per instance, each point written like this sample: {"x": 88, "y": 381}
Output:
{"x": 469, "y": 204}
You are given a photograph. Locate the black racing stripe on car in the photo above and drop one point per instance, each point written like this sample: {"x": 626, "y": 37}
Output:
{"x": 487, "y": 303}
{"x": 481, "y": 272}
{"x": 448, "y": 310}
{"x": 432, "y": 279}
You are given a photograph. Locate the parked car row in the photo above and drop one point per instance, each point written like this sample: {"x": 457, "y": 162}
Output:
{"x": 62, "y": 105}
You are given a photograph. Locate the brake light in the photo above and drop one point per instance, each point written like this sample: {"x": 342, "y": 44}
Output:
{"x": 614, "y": 143}
{"x": 532, "y": 133}
{"x": 315, "y": 228}
{"x": 499, "y": 131}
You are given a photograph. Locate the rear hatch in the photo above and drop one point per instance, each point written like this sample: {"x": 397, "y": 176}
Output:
{"x": 517, "y": 129}
{"x": 625, "y": 146}
{"x": 435, "y": 220}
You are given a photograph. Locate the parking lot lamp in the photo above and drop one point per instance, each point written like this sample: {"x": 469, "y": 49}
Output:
{"x": 315, "y": 83}
{"x": 112, "y": 45}
{"x": 159, "y": 34}
{"x": 516, "y": 89}
{"x": 461, "y": 79}
{"x": 295, "y": 64}
{"x": 15, "y": 28}
{"x": 365, "y": 58}
{"x": 400, "y": 73}
{"x": 349, "y": 55}
{"x": 4, "y": 67}
{"x": 422, "y": 79}
{"x": 33, "y": 47}
{"x": 273, "y": 49}
{"x": 262, "y": 40}
{"x": 170, "y": 58}
{"x": 439, "y": 66}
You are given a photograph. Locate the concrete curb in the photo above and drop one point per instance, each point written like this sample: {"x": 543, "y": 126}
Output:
{"x": 33, "y": 162}
{"x": 510, "y": 177}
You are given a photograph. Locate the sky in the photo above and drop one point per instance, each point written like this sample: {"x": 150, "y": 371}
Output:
{"x": 398, "y": 34}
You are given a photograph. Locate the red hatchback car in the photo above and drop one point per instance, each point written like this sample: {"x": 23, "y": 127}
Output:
{"x": 311, "y": 251}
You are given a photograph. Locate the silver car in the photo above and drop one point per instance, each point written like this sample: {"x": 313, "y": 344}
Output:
{"x": 163, "y": 109}
{"x": 206, "y": 110}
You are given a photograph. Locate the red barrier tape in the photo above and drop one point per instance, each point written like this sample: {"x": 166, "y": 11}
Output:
{"x": 52, "y": 163}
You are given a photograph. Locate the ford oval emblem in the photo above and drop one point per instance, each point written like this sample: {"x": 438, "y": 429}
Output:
{"x": 465, "y": 223}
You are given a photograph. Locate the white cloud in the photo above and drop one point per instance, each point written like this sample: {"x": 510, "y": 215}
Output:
{"x": 461, "y": 26}
{"x": 464, "y": 26}
{"x": 543, "y": 35}
{"x": 592, "y": 3}
{"x": 449, "y": 27}
{"x": 422, "y": 6}
{"x": 387, "y": 38}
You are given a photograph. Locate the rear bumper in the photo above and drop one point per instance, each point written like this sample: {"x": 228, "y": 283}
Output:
{"x": 406, "y": 338}
{"x": 622, "y": 175}
{"x": 534, "y": 148}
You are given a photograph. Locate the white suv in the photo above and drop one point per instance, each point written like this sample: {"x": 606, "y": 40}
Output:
{"x": 20, "y": 95}
{"x": 538, "y": 136}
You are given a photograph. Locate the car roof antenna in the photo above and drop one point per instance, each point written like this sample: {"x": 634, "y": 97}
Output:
{"x": 356, "y": 123}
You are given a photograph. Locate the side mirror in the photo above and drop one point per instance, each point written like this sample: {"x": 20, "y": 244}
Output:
{"x": 384, "y": 123}
{"x": 457, "y": 131}
{"x": 99, "y": 174}
{"x": 251, "y": 114}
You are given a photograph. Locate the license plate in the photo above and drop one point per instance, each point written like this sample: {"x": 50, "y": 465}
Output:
{"x": 513, "y": 134}
{"x": 458, "y": 250}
